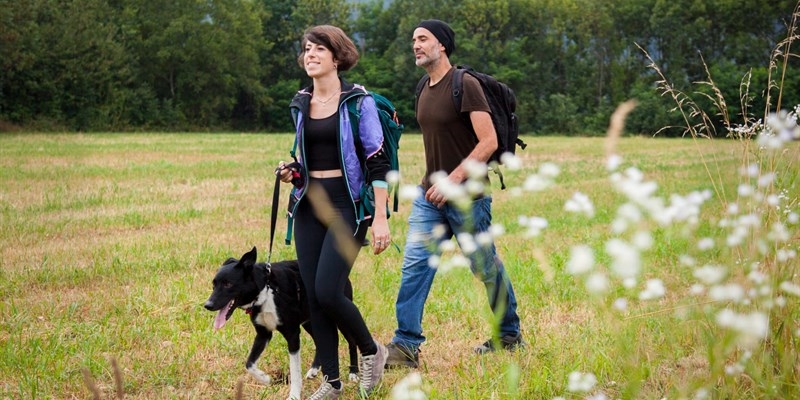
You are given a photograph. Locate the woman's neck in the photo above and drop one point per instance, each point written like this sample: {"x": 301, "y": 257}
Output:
{"x": 327, "y": 86}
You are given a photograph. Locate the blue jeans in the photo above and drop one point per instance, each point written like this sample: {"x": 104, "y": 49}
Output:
{"x": 417, "y": 274}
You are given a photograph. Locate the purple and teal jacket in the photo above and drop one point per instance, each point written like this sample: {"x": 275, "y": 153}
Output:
{"x": 370, "y": 134}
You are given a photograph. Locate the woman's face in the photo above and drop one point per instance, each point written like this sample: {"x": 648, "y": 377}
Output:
{"x": 318, "y": 60}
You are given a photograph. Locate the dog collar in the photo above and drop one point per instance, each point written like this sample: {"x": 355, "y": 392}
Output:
{"x": 248, "y": 308}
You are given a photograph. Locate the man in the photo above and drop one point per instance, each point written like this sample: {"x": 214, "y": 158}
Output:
{"x": 450, "y": 145}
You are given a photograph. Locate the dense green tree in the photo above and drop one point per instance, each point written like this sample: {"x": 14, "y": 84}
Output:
{"x": 62, "y": 62}
{"x": 232, "y": 64}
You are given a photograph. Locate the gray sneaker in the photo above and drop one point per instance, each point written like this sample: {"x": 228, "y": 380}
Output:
{"x": 401, "y": 356}
{"x": 371, "y": 370}
{"x": 507, "y": 342}
{"x": 326, "y": 391}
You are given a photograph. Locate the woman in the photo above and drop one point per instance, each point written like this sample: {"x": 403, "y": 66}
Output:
{"x": 331, "y": 173}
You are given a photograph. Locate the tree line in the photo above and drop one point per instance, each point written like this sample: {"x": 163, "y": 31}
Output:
{"x": 172, "y": 65}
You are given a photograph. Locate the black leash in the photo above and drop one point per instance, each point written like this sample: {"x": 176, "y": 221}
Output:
{"x": 295, "y": 168}
{"x": 276, "y": 194}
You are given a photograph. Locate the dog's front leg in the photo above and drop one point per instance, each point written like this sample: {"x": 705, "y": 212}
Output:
{"x": 263, "y": 336}
{"x": 315, "y": 365}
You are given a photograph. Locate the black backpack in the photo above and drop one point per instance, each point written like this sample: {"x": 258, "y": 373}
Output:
{"x": 503, "y": 104}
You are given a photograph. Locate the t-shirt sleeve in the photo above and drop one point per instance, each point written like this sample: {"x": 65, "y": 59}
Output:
{"x": 473, "y": 97}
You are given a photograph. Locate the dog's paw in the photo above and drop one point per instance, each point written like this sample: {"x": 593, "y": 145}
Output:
{"x": 312, "y": 373}
{"x": 260, "y": 375}
{"x": 353, "y": 377}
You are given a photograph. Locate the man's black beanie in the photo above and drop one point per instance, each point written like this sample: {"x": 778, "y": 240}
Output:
{"x": 443, "y": 32}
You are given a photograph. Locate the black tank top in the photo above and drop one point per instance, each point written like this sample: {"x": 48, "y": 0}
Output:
{"x": 322, "y": 143}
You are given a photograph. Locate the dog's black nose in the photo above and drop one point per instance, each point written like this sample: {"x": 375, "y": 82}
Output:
{"x": 209, "y": 305}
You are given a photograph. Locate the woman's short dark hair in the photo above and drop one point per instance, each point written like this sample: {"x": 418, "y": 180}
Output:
{"x": 334, "y": 39}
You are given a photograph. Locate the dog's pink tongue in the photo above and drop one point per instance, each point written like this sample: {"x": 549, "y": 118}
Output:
{"x": 222, "y": 315}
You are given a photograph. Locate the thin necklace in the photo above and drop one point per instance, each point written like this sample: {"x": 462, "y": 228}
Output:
{"x": 326, "y": 101}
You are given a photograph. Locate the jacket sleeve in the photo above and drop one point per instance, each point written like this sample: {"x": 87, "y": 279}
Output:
{"x": 371, "y": 135}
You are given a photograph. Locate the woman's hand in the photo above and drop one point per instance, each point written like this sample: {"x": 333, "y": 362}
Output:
{"x": 381, "y": 238}
{"x": 284, "y": 173}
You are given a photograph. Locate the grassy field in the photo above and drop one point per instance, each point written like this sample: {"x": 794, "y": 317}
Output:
{"x": 109, "y": 242}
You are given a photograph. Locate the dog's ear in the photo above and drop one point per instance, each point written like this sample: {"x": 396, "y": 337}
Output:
{"x": 249, "y": 259}
{"x": 230, "y": 260}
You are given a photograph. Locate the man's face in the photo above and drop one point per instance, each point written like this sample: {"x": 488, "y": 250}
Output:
{"x": 427, "y": 49}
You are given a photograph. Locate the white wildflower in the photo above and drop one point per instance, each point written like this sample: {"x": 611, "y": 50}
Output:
{"x": 730, "y": 292}
{"x": 446, "y": 246}
{"x": 620, "y": 304}
{"x": 409, "y": 388}
{"x": 710, "y": 274}
{"x": 393, "y": 177}
{"x": 476, "y": 170}
{"x": 549, "y": 170}
{"x": 687, "y": 260}
{"x": 409, "y": 192}
{"x": 642, "y": 240}
{"x": 497, "y": 229}
{"x": 467, "y": 243}
{"x": 790, "y": 288}
{"x": 580, "y": 203}
{"x": 752, "y": 327}
{"x": 581, "y": 382}
{"x": 757, "y": 277}
{"x": 766, "y": 179}
{"x": 654, "y": 289}
{"x": 536, "y": 183}
{"x": 613, "y": 162}
{"x": 484, "y": 239}
{"x": 784, "y": 255}
{"x": 751, "y": 170}
{"x": 745, "y": 190}
{"x": 626, "y": 261}
{"x": 597, "y": 283}
{"x": 581, "y": 260}
{"x": 535, "y": 225}
{"x": 705, "y": 244}
{"x": 697, "y": 289}
{"x": 456, "y": 261}
{"x": 475, "y": 187}
{"x": 511, "y": 161}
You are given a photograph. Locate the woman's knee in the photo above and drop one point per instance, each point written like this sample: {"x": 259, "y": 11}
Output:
{"x": 329, "y": 297}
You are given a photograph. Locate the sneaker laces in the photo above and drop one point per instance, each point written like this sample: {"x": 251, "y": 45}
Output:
{"x": 323, "y": 391}
{"x": 365, "y": 372}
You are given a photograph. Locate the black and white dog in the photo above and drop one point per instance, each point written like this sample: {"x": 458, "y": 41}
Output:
{"x": 275, "y": 298}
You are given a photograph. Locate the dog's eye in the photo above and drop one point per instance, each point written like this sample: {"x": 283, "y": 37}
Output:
{"x": 227, "y": 285}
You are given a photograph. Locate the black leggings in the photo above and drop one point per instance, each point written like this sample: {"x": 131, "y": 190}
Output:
{"x": 325, "y": 270}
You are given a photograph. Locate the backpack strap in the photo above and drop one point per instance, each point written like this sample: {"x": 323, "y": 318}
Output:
{"x": 458, "y": 91}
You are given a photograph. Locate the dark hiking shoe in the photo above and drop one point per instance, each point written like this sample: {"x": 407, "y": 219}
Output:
{"x": 401, "y": 356}
{"x": 507, "y": 342}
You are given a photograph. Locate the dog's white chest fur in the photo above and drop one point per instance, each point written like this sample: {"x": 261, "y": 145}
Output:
{"x": 268, "y": 316}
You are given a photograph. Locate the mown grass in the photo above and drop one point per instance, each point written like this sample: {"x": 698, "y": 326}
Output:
{"x": 109, "y": 243}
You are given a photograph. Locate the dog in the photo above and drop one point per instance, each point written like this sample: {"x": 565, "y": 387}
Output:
{"x": 275, "y": 298}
